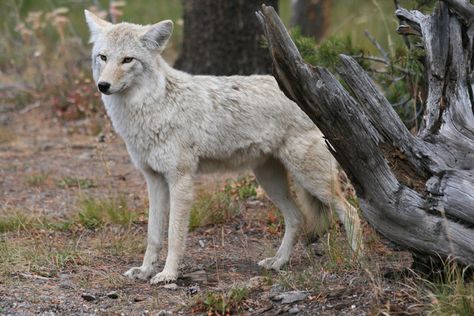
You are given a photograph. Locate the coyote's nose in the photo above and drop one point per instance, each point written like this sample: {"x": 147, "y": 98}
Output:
{"x": 103, "y": 86}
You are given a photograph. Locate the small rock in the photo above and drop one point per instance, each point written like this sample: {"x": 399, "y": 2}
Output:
{"x": 112, "y": 295}
{"x": 290, "y": 297}
{"x": 192, "y": 290}
{"x": 164, "y": 313}
{"x": 139, "y": 298}
{"x": 88, "y": 297}
{"x": 171, "y": 286}
{"x": 201, "y": 243}
{"x": 276, "y": 288}
{"x": 66, "y": 284}
{"x": 257, "y": 282}
{"x": 85, "y": 156}
{"x": 252, "y": 202}
{"x": 294, "y": 310}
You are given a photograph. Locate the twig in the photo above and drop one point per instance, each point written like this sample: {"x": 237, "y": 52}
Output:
{"x": 30, "y": 107}
{"x": 372, "y": 58}
{"x": 401, "y": 103}
{"x": 33, "y": 276}
{"x": 377, "y": 45}
{"x": 383, "y": 61}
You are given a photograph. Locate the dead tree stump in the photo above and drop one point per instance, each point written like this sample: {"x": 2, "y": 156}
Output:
{"x": 418, "y": 191}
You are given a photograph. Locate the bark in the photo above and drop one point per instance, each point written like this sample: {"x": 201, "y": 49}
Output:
{"x": 311, "y": 16}
{"x": 418, "y": 191}
{"x": 223, "y": 38}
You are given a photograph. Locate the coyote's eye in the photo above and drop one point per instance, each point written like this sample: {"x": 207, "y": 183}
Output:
{"x": 103, "y": 57}
{"x": 127, "y": 60}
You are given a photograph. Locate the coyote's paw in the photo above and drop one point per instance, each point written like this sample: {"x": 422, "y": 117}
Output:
{"x": 164, "y": 277}
{"x": 139, "y": 273}
{"x": 273, "y": 263}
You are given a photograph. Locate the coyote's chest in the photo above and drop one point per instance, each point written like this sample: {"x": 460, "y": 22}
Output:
{"x": 136, "y": 127}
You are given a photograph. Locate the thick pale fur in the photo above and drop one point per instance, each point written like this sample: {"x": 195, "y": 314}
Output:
{"x": 316, "y": 215}
{"x": 176, "y": 125}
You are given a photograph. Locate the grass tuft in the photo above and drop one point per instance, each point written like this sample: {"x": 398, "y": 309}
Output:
{"x": 211, "y": 209}
{"x": 37, "y": 179}
{"x": 72, "y": 182}
{"x": 451, "y": 294}
{"x": 242, "y": 188}
{"x": 38, "y": 257}
{"x": 95, "y": 213}
{"x": 339, "y": 251}
{"x": 223, "y": 303}
{"x": 17, "y": 221}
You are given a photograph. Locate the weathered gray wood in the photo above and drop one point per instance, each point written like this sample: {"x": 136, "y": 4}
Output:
{"x": 448, "y": 119}
{"x": 435, "y": 32}
{"x": 452, "y": 191}
{"x": 418, "y": 191}
{"x": 401, "y": 145}
{"x": 464, "y": 8}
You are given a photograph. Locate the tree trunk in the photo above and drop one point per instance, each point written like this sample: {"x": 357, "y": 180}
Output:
{"x": 223, "y": 37}
{"x": 311, "y": 16}
{"x": 418, "y": 191}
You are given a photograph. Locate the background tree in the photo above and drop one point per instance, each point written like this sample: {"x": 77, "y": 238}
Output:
{"x": 311, "y": 16}
{"x": 223, "y": 38}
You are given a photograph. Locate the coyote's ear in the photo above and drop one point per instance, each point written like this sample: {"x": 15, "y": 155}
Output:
{"x": 96, "y": 25}
{"x": 157, "y": 35}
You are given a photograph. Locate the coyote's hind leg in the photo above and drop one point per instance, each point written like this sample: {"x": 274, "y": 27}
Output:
{"x": 273, "y": 178}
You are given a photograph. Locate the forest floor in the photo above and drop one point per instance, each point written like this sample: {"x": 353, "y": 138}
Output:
{"x": 73, "y": 219}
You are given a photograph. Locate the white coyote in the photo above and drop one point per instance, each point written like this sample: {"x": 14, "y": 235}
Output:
{"x": 176, "y": 125}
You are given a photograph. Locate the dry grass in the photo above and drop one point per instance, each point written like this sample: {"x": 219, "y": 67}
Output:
{"x": 228, "y": 302}
{"x": 42, "y": 54}
{"x": 50, "y": 247}
{"x": 211, "y": 209}
{"x": 35, "y": 254}
{"x": 450, "y": 293}
{"x": 123, "y": 243}
{"x": 6, "y": 135}
{"x": 219, "y": 206}
{"x": 16, "y": 221}
{"x": 37, "y": 179}
{"x": 98, "y": 212}
{"x": 73, "y": 182}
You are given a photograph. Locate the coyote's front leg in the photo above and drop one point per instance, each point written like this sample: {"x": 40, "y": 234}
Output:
{"x": 181, "y": 197}
{"x": 158, "y": 197}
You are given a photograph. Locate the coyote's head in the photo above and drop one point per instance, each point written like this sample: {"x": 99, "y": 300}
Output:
{"x": 123, "y": 53}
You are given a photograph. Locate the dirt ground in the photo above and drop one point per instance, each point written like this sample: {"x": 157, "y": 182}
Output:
{"x": 78, "y": 271}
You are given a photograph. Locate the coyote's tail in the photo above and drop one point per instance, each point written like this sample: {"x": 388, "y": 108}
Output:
{"x": 317, "y": 216}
